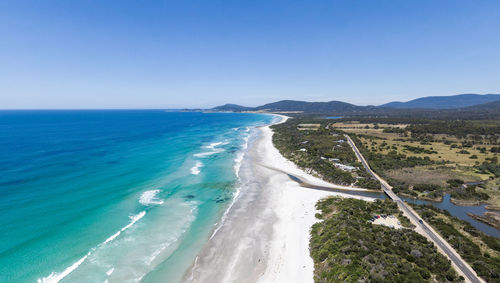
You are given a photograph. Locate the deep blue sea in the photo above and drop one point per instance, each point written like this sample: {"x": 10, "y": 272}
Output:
{"x": 123, "y": 196}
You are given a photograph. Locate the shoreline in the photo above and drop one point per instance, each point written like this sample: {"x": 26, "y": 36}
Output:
{"x": 265, "y": 235}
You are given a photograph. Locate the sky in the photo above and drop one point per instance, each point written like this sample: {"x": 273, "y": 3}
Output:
{"x": 172, "y": 54}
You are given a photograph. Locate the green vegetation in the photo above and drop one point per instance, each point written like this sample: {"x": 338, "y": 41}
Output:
{"x": 414, "y": 153}
{"x": 418, "y": 149}
{"x": 460, "y": 128}
{"x": 491, "y": 218}
{"x": 321, "y": 151}
{"x": 456, "y": 187}
{"x": 481, "y": 251}
{"x": 469, "y": 193}
{"x": 490, "y": 167}
{"x": 408, "y": 153}
{"x": 425, "y": 191}
{"x": 460, "y": 191}
{"x": 392, "y": 160}
{"x": 347, "y": 247}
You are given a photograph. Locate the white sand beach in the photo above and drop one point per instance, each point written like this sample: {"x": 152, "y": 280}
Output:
{"x": 264, "y": 237}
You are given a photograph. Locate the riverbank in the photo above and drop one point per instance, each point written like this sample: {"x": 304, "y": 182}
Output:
{"x": 264, "y": 237}
{"x": 491, "y": 218}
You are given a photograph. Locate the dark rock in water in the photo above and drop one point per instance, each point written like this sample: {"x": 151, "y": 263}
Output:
{"x": 221, "y": 199}
{"x": 189, "y": 197}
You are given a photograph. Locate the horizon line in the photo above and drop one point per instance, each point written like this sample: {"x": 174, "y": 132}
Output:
{"x": 208, "y": 108}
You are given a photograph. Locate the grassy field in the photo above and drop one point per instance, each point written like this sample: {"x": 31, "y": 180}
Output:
{"x": 374, "y": 137}
{"x": 449, "y": 157}
{"x": 435, "y": 174}
{"x": 492, "y": 188}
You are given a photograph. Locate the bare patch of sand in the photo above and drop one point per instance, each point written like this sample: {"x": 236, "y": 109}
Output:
{"x": 389, "y": 221}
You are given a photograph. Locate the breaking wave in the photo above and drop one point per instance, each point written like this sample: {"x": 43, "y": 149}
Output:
{"x": 150, "y": 197}
{"x": 55, "y": 277}
{"x": 214, "y": 149}
{"x": 195, "y": 170}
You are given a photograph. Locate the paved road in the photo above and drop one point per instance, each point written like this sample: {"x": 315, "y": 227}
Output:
{"x": 457, "y": 260}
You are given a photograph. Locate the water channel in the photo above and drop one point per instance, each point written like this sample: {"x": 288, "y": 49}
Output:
{"x": 456, "y": 210}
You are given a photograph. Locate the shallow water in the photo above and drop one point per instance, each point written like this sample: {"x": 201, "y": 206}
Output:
{"x": 89, "y": 196}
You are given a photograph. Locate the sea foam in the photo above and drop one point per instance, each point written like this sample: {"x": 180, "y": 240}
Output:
{"x": 150, "y": 197}
{"x": 240, "y": 155}
{"x": 195, "y": 170}
{"x": 237, "y": 165}
{"x": 215, "y": 144}
{"x": 55, "y": 277}
{"x": 110, "y": 271}
{"x": 208, "y": 153}
{"x": 133, "y": 219}
{"x": 214, "y": 149}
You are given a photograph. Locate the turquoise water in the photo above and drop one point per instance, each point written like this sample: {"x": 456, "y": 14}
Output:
{"x": 123, "y": 196}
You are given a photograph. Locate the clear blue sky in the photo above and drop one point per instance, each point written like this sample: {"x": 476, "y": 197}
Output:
{"x": 167, "y": 54}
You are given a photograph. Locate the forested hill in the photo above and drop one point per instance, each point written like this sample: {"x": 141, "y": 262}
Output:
{"x": 233, "y": 107}
{"x": 491, "y": 106}
{"x": 445, "y": 102}
{"x": 317, "y": 107}
{"x": 489, "y": 110}
{"x": 293, "y": 105}
{"x": 462, "y": 101}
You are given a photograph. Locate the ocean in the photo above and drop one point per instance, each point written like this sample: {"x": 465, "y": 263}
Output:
{"x": 114, "y": 196}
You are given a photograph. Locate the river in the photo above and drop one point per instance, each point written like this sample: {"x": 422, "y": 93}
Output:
{"x": 458, "y": 211}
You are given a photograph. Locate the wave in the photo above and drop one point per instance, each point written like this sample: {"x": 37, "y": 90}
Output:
{"x": 150, "y": 197}
{"x": 195, "y": 170}
{"x": 133, "y": 219}
{"x": 55, "y": 277}
{"x": 240, "y": 155}
{"x": 224, "y": 216}
{"x": 245, "y": 129}
{"x": 110, "y": 271}
{"x": 237, "y": 165}
{"x": 189, "y": 218}
{"x": 213, "y": 149}
{"x": 215, "y": 144}
{"x": 208, "y": 153}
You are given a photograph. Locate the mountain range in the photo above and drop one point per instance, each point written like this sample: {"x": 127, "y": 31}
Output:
{"x": 461, "y": 101}
{"x": 444, "y": 102}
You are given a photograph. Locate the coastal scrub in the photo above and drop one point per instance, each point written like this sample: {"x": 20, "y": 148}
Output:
{"x": 347, "y": 247}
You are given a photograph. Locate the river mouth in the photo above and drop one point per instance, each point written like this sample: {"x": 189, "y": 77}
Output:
{"x": 370, "y": 194}
{"x": 461, "y": 212}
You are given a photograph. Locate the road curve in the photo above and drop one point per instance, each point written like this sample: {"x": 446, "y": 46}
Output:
{"x": 438, "y": 241}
